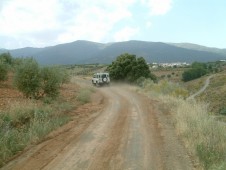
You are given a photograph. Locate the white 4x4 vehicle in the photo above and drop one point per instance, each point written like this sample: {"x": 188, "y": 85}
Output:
{"x": 101, "y": 79}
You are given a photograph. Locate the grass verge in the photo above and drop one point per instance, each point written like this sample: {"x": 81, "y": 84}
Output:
{"x": 84, "y": 95}
{"x": 26, "y": 123}
{"x": 202, "y": 135}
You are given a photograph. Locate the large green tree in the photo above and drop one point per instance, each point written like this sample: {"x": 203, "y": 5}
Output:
{"x": 127, "y": 67}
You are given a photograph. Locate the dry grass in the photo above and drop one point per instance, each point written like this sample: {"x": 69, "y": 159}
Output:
{"x": 28, "y": 122}
{"x": 172, "y": 74}
{"x": 215, "y": 94}
{"x": 203, "y": 136}
{"x": 84, "y": 95}
{"x": 194, "y": 85}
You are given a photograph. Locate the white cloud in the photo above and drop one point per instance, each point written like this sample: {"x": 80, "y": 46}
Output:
{"x": 125, "y": 34}
{"x": 158, "y": 7}
{"x": 27, "y": 16}
{"x": 94, "y": 22}
{"x": 47, "y": 22}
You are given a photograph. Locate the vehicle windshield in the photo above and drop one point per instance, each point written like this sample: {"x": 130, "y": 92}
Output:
{"x": 104, "y": 76}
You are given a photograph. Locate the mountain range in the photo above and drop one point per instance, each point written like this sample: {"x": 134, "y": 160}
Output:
{"x": 87, "y": 52}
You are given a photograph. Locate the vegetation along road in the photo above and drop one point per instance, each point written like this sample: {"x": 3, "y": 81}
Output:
{"x": 202, "y": 89}
{"x": 129, "y": 133}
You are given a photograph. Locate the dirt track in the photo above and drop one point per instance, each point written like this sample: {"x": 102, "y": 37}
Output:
{"x": 132, "y": 132}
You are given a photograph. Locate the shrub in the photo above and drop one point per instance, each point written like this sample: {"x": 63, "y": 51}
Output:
{"x": 84, "y": 95}
{"x": 223, "y": 111}
{"x": 6, "y": 58}
{"x": 129, "y": 68}
{"x": 197, "y": 70}
{"x": 3, "y": 71}
{"x": 25, "y": 123}
{"x": 36, "y": 82}
{"x": 63, "y": 74}
{"x": 27, "y": 78}
{"x": 51, "y": 80}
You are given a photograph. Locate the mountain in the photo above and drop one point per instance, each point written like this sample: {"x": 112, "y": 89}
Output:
{"x": 2, "y": 50}
{"x": 199, "y": 47}
{"x": 86, "y": 52}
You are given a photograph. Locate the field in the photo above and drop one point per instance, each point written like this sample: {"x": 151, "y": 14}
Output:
{"x": 30, "y": 122}
{"x": 171, "y": 74}
{"x": 89, "y": 69}
{"x": 25, "y": 122}
{"x": 214, "y": 95}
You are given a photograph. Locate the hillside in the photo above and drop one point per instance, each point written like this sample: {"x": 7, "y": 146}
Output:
{"x": 199, "y": 48}
{"x": 86, "y": 52}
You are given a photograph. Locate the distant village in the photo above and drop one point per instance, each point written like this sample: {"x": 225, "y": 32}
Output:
{"x": 167, "y": 65}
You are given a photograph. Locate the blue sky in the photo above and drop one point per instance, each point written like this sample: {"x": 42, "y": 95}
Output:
{"x": 40, "y": 23}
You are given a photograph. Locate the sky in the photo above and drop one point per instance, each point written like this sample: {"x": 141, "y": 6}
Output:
{"x": 41, "y": 23}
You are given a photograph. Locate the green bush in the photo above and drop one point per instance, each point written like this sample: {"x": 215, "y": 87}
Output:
{"x": 51, "y": 81}
{"x": 36, "y": 82}
{"x": 197, "y": 70}
{"x": 27, "y": 78}
{"x": 63, "y": 74}
{"x": 223, "y": 111}
{"x": 6, "y": 58}
{"x": 3, "y": 71}
{"x": 129, "y": 68}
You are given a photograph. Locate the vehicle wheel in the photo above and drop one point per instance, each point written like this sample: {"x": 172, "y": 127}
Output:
{"x": 105, "y": 79}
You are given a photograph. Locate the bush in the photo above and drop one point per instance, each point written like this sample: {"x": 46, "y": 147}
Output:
{"x": 27, "y": 78}
{"x": 3, "y": 71}
{"x": 6, "y": 58}
{"x": 197, "y": 70}
{"x": 84, "y": 95}
{"x": 129, "y": 68}
{"x": 36, "y": 82}
{"x": 63, "y": 74}
{"x": 51, "y": 80}
{"x": 223, "y": 111}
{"x": 25, "y": 123}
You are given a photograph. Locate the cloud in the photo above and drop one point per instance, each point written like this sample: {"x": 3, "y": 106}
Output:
{"x": 94, "y": 22}
{"x": 125, "y": 34}
{"x": 72, "y": 19}
{"x": 158, "y": 7}
{"x": 48, "y": 22}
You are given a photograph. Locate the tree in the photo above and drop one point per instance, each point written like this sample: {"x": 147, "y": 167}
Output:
{"x": 6, "y": 58}
{"x": 127, "y": 67}
{"x": 51, "y": 81}
{"x": 28, "y": 78}
{"x": 197, "y": 70}
{"x": 36, "y": 82}
{"x": 3, "y": 71}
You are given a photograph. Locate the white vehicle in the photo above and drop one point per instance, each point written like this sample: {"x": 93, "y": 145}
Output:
{"x": 101, "y": 79}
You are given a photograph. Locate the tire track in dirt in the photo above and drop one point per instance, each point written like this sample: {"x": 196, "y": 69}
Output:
{"x": 143, "y": 147}
{"x": 131, "y": 133}
{"x": 91, "y": 150}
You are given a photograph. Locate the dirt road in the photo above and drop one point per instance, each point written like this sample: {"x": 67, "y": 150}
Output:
{"x": 207, "y": 82}
{"x": 132, "y": 132}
